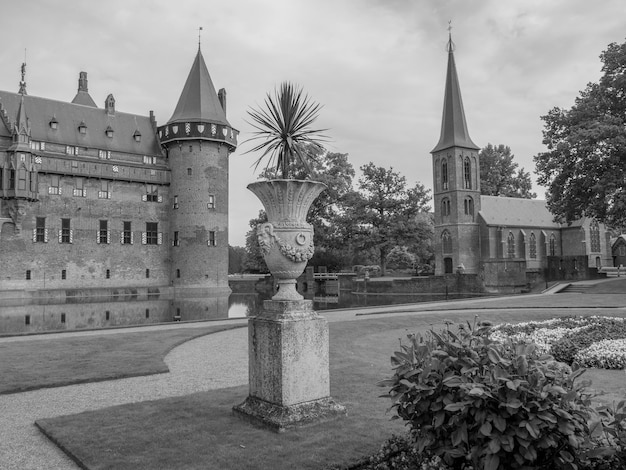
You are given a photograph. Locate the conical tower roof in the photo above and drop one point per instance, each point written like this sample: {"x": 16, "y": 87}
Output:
{"x": 199, "y": 102}
{"x": 454, "y": 131}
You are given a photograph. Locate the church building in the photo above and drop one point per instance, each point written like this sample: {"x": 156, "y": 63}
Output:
{"x": 510, "y": 244}
{"x": 96, "y": 198}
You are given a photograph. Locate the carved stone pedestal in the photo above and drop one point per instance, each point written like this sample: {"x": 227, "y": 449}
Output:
{"x": 288, "y": 368}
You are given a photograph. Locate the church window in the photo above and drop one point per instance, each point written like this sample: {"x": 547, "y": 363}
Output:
{"x": 127, "y": 234}
{"x": 510, "y": 242}
{"x": 533, "y": 246}
{"x": 444, "y": 174}
{"x": 594, "y": 235}
{"x": 54, "y": 185}
{"x": 469, "y": 206}
{"x": 552, "y": 245}
{"x": 446, "y": 242}
{"x": 467, "y": 173}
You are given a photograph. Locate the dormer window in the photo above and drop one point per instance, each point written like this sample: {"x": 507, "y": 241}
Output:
{"x": 54, "y": 124}
{"x": 109, "y": 132}
{"x": 137, "y": 136}
{"x": 82, "y": 127}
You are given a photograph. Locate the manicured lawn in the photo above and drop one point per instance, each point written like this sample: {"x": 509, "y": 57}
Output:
{"x": 28, "y": 365}
{"x": 199, "y": 431}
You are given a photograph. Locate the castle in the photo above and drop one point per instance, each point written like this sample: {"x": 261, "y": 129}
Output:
{"x": 94, "y": 198}
{"x": 508, "y": 243}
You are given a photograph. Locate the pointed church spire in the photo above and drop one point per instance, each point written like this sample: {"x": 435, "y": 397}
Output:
{"x": 199, "y": 102}
{"x": 454, "y": 131}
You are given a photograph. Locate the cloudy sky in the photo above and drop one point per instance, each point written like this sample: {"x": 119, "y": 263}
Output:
{"x": 377, "y": 66}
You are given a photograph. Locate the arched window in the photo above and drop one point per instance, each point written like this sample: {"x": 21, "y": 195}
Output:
{"x": 445, "y": 207}
{"x": 469, "y": 206}
{"x": 437, "y": 175}
{"x": 594, "y": 236}
{"x": 533, "y": 246}
{"x": 552, "y": 245}
{"x": 446, "y": 242}
{"x": 510, "y": 243}
{"x": 444, "y": 173}
{"x": 467, "y": 173}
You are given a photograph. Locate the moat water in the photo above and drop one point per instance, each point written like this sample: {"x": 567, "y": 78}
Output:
{"x": 81, "y": 315}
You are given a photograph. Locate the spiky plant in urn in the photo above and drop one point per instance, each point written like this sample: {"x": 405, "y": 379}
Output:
{"x": 285, "y": 127}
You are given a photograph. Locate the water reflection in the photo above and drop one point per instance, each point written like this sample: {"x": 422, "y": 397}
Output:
{"x": 142, "y": 310}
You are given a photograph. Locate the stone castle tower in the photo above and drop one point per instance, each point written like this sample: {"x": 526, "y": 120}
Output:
{"x": 198, "y": 140}
{"x": 456, "y": 188}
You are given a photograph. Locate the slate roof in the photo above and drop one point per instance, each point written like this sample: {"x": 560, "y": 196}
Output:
{"x": 199, "y": 102}
{"x": 40, "y": 111}
{"x": 454, "y": 131}
{"x": 516, "y": 212}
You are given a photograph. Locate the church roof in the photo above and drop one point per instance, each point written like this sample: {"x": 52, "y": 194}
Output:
{"x": 40, "y": 111}
{"x": 454, "y": 131}
{"x": 516, "y": 212}
{"x": 199, "y": 101}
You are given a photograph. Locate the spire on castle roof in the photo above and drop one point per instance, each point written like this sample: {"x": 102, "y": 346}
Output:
{"x": 454, "y": 131}
{"x": 82, "y": 96}
{"x": 23, "y": 80}
{"x": 199, "y": 101}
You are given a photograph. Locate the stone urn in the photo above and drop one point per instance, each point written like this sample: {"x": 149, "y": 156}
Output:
{"x": 286, "y": 239}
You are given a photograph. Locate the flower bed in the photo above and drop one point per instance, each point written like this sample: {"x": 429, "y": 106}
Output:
{"x": 594, "y": 341}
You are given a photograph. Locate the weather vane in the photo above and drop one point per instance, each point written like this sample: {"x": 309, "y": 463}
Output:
{"x": 23, "y": 81}
{"x": 450, "y": 45}
{"x": 199, "y": 32}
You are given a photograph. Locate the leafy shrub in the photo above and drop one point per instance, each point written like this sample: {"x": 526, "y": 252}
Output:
{"x": 472, "y": 401}
{"x": 565, "y": 349}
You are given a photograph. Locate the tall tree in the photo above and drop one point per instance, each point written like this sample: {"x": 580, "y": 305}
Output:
{"x": 236, "y": 259}
{"x": 384, "y": 211}
{"x": 254, "y": 261}
{"x": 584, "y": 168}
{"x": 500, "y": 176}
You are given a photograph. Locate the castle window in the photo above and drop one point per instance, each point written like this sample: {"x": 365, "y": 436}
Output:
{"x": 444, "y": 174}
{"x": 137, "y": 136}
{"x": 54, "y": 124}
{"x": 510, "y": 243}
{"x": 533, "y": 246}
{"x": 79, "y": 188}
{"x": 12, "y": 179}
{"x": 446, "y": 242}
{"x": 189, "y": 172}
{"x": 28, "y": 274}
{"x": 107, "y": 315}
{"x": 467, "y": 173}
{"x": 176, "y": 240}
{"x": 594, "y": 235}
{"x": 211, "y": 203}
{"x": 175, "y": 205}
{"x": 63, "y": 274}
{"x": 104, "y": 235}
{"x": 69, "y": 150}
{"x": 152, "y": 193}
{"x": 147, "y": 273}
{"x": 126, "y": 237}
{"x": 149, "y": 160}
{"x": 109, "y": 132}
{"x": 41, "y": 233}
{"x": 82, "y": 127}
{"x": 108, "y": 274}
{"x": 212, "y": 240}
{"x": 104, "y": 192}
{"x": 147, "y": 313}
{"x": 552, "y": 245}
{"x": 21, "y": 178}
{"x": 104, "y": 154}
{"x": 54, "y": 185}
{"x": 178, "y": 273}
{"x": 65, "y": 234}
{"x": 27, "y": 320}
{"x": 191, "y": 148}
{"x": 1, "y": 178}
{"x": 33, "y": 182}
{"x": 152, "y": 235}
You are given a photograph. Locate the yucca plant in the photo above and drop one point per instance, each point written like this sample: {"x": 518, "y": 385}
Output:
{"x": 284, "y": 125}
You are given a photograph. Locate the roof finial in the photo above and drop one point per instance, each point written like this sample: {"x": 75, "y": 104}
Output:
{"x": 450, "y": 46}
{"x": 23, "y": 80}
{"x": 199, "y": 32}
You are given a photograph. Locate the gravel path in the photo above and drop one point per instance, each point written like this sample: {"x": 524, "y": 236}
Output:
{"x": 193, "y": 366}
